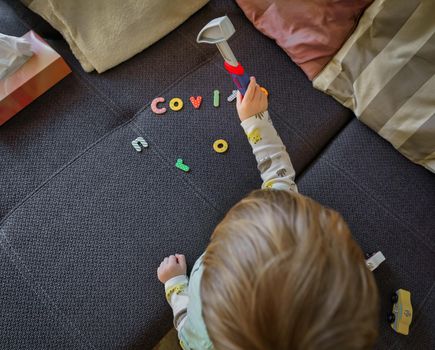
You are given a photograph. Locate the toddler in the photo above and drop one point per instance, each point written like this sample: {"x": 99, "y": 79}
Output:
{"x": 280, "y": 272}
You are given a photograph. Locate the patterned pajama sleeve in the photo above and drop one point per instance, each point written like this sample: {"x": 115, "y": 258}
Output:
{"x": 176, "y": 290}
{"x": 272, "y": 158}
{"x": 277, "y": 173}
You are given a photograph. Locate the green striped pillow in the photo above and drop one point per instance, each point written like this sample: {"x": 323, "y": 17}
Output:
{"x": 385, "y": 73}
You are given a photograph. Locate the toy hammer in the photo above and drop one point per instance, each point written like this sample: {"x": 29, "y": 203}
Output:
{"x": 218, "y": 31}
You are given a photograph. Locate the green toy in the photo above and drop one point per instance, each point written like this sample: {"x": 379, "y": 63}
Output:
{"x": 216, "y": 98}
{"x": 180, "y": 165}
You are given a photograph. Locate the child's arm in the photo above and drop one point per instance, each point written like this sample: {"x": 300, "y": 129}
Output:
{"x": 183, "y": 296}
{"x": 172, "y": 272}
{"x": 273, "y": 160}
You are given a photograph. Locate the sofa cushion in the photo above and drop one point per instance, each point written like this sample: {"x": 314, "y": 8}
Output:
{"x": 385, "y": 73}
{"x": 389, "y": 204}
{"x": 26, "y": 314}
{"x": 87, "y": 219}
{"x": 48, "y": 134}
{"x": 87, "y": 243}
{"x": 84, "y": 107}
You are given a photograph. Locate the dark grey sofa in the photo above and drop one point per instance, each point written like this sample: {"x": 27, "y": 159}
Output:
{"x": 85, "y": 219}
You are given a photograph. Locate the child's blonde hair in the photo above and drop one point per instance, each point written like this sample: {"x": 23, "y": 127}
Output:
{"x": 283, "y": 272}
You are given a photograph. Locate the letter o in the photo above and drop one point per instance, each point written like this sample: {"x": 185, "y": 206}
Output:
{"x": 176, "y": 104}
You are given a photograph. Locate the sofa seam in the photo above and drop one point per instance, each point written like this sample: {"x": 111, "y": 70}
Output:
{"x": 323, "y": 149}
{"x": 385, "y": 208}
{"x": 16, "y": 260}
{"x": 161, "y": 155}
{"x": 174, "y": 83}
{"x": 106, "y": 99}
{"x": 58, "y": 171}
{"x": 295, "y": 131}
{"x": 91, "y": 146}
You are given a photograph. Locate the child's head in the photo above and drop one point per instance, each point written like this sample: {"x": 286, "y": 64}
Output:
{"x": 283, "y": 272}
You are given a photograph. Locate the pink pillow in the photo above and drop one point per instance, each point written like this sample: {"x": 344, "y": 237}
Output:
{"x": 309, "y": 31}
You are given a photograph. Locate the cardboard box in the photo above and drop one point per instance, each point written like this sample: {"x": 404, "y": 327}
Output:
{"x": 43, "y": 70}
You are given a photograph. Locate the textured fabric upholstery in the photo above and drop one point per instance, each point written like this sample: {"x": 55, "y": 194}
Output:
{"x": 389, "y": 204}
{"x": 85, "y": 219}
{"x": 83, "y": 107}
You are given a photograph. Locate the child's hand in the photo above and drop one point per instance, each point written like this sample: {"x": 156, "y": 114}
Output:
{"x": 172, "y": 266}
{"x": 254, "y": 101}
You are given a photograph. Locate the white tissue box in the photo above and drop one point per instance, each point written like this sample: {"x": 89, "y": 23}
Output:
{"x": 43, "y": 70}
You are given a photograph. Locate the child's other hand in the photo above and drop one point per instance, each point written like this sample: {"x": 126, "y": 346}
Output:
{"x": 254, "y": 101}
{"x": 172, "y": 266}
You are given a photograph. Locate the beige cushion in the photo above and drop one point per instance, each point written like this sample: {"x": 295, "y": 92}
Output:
{"x": 385, "y": 73}
{"x": 104, "y": 33}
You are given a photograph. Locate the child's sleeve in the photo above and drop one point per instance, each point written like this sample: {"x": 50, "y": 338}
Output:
{"x": 272, "y": 158}
{"x": 176, "y": 290}
{"x": 184, "y": 297}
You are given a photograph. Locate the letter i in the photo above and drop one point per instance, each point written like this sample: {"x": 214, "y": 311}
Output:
{"x": 216, "y": 98}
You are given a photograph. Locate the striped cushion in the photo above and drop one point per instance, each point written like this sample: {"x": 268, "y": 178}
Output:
{"x": 385, "y": 73}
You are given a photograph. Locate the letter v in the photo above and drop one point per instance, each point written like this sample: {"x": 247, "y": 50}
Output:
{"x": 196, "y": 102}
